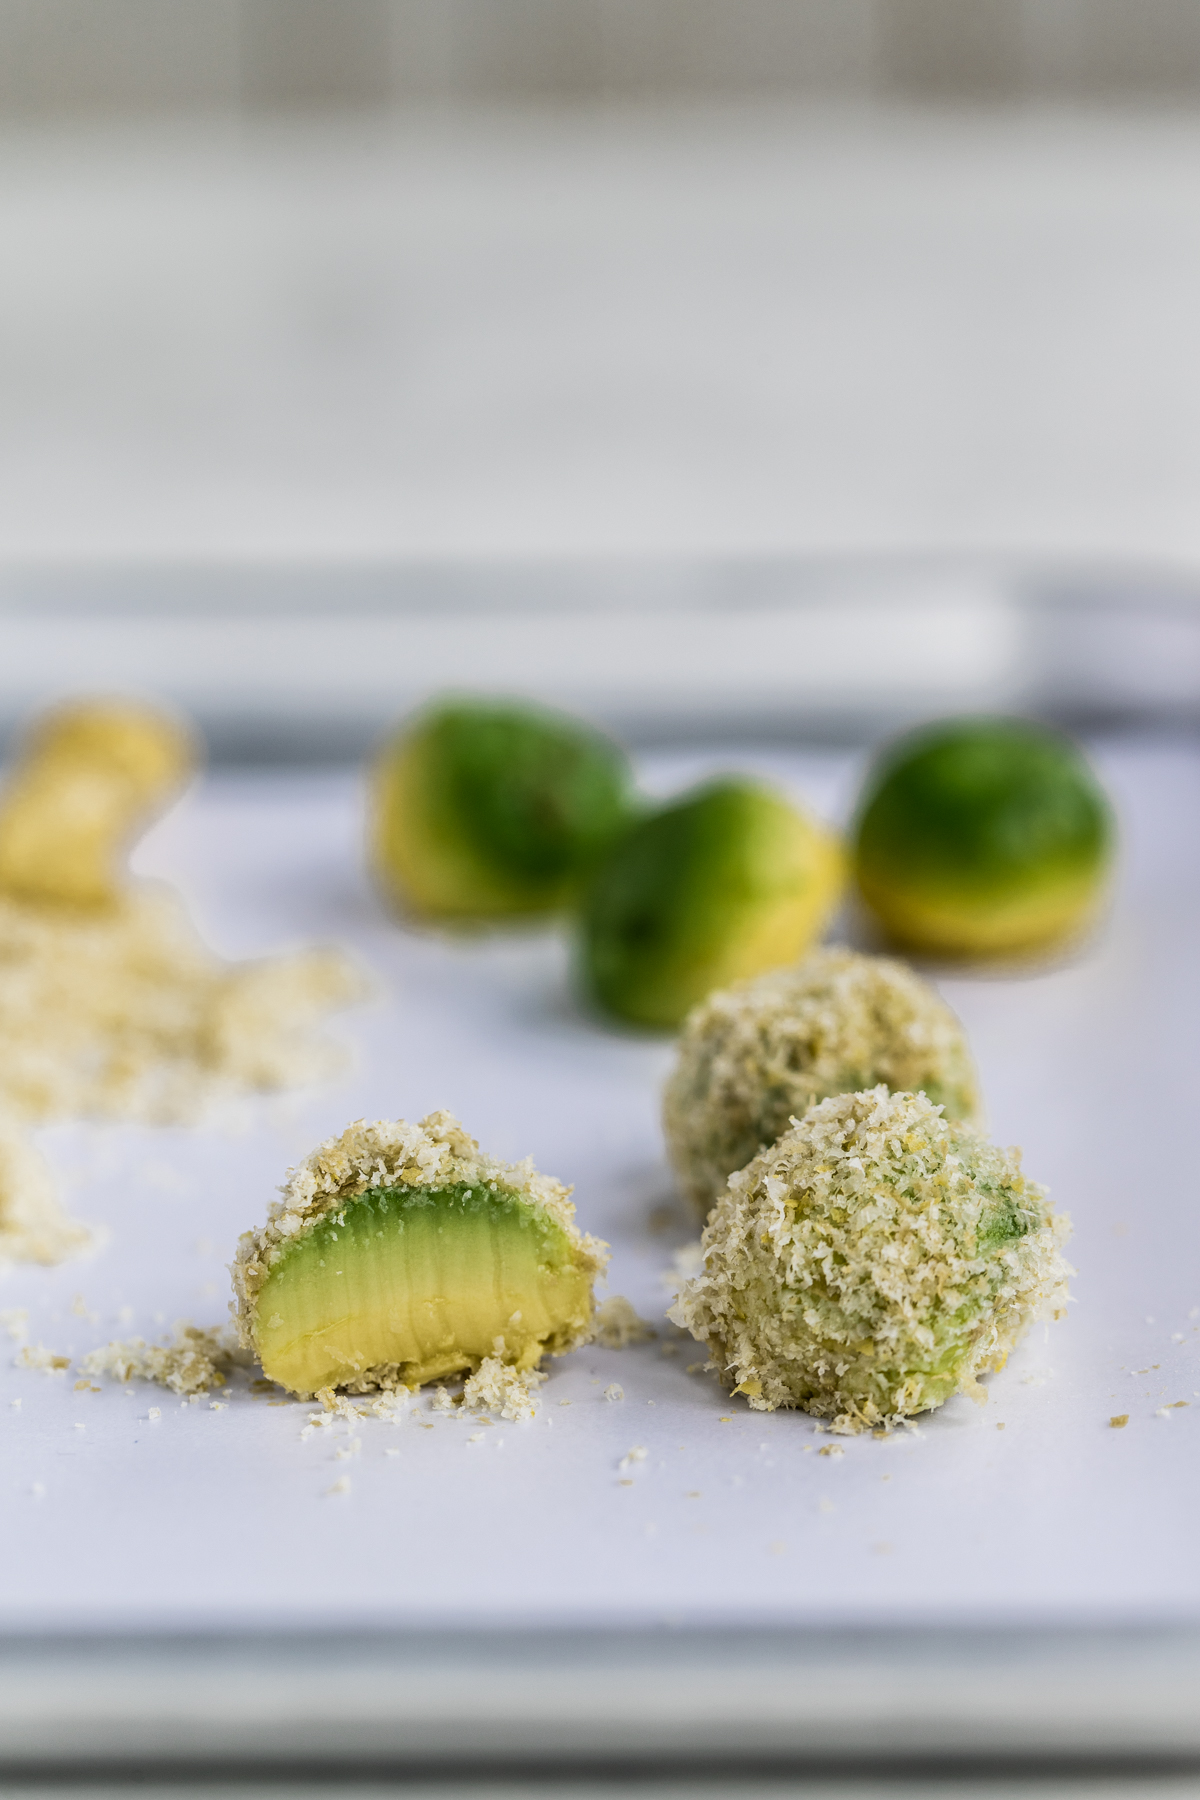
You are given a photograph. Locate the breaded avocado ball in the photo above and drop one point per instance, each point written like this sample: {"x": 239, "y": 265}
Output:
{"x": 983, "y": 837}
{"x": 493, "y": 809}
{"x": 755, "y": 1055}
{"x": 726, "y": 881}
{"x": 874, "y": 1261}
{"x": 400, "y": 1254}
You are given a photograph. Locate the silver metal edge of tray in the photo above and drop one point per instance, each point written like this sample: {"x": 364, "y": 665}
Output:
{"x": 279, "y": 664}
{"x": 599, "y": 1698}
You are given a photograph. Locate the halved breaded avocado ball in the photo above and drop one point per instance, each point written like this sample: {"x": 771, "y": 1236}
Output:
{"x": 753, "y": 1056}
{"x": 400, "y": 1254}
{"x": 875, "y": 1260}
{"x": 720, "y": 884}
{"x": 487, "y": 809}
{"x": 983, "y": 837}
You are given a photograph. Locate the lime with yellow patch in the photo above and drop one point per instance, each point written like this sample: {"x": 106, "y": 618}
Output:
{"x": 984, "y": 838}
{"x": 721, "y": 884}
{"x": 485, "y": 810}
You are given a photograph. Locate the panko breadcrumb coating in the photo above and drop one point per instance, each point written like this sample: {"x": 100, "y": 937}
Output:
{"x": 874, "y": 1261}
{"x": 755, "y": 1055}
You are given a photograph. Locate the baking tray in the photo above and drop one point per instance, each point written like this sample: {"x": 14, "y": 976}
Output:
{"x": 1014, "y": 1579}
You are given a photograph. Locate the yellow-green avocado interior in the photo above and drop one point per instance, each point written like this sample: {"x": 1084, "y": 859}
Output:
{"x": 420, "y": 1283}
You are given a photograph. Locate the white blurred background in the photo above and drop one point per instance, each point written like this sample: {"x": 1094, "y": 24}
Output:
{"x": 303, "y": 300}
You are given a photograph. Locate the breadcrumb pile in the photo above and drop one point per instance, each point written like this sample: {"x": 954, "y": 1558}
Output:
{"x": 126, "y": 1014}
{"x": 33, "y": 1226}
{"x": 391, "y": 1153}
{"x": 753, "y": 1056}
{"x": 496, "y": 1387}
{"x": 198, "y": 1360}
{"x": 875, "y": 1260}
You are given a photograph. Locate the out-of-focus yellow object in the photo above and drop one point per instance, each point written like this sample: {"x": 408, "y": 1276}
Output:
{"x": 92, "y": 776}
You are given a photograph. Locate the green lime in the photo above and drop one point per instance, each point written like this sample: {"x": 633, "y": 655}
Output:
{"x": 983, "y": 837}
{"x": 727, "y": 881}
{"x": 491, "y": 809}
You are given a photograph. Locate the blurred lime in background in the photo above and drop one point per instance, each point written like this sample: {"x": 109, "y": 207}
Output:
{"x": 728, "y": 880}
{"x": 983, "y": 838}
{"x": 485, "y": 810}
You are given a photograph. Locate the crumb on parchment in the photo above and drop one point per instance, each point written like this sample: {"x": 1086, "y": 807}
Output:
{"x": 36, "y": 1356}
{"x": 617, "y": 1325}
{"x": 198, "y": 1359}
{"x": 33, "y": 1225}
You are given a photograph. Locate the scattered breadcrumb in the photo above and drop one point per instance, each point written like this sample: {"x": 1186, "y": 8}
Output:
{"x": 499, "y": 1388}
{"x": 831, "y": 1450}
{"x": 617, "y": 1325}
{"x": 36, "y": 1356}
{"x": 614, "y": 1391}
{"x": 340, "y": 1486}
{"x": 1119, "y": 1420}
{"x": 126, "y": 1014}
{"x": 198, "y": 1360}
{"x": 33, "y": 1226}
{"x": 638, "y": 1454}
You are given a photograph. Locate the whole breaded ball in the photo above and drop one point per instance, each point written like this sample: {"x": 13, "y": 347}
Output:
{"x": 874, "y": 1261}
{"x": 755, "y": 1055}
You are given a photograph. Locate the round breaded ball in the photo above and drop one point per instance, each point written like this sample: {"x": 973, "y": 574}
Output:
{"x": 876, "y": 1260}
{"x": 755, "y": 1055}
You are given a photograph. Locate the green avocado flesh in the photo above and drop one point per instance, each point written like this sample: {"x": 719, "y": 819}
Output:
{"x": 420, "y": 1282}
{"x": 983, "y": 836}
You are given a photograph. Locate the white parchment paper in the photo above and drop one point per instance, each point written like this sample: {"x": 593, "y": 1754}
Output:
{"x": 1031, "y": 1508}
